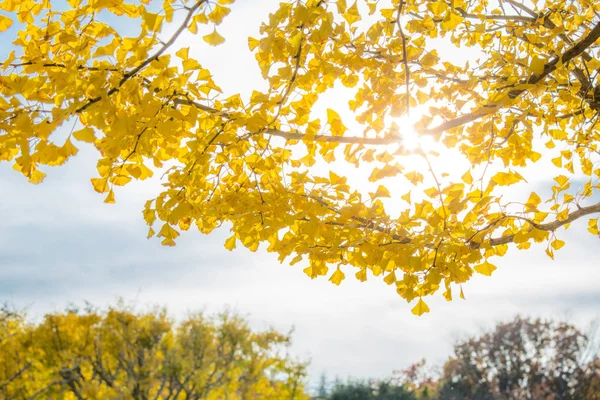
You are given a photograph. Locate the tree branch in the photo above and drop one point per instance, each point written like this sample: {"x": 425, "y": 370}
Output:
{"x": 551, "y": 226}
{"x": 404, "y": 57}
{"x": 550, "y": 67}
{"x": 520, "y": 18}
{"x": 287, "y": 135}
{"x": 548, "y": 227}
{"x": 15, "y": 376}
{"x": 147, "y": 61}
{"x": 521, "y": 7}
{"x": 334, "y": 139}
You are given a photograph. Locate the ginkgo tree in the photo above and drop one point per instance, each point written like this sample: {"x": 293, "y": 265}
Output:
{"x": 532, "y": 95}
{"x": 121, "y": 353}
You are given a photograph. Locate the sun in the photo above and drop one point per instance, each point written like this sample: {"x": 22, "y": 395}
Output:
{"x": 411, "y": 139}
{"x": 423, "y": 153}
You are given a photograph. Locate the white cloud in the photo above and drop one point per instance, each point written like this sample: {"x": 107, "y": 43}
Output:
{"x": 53, "y": 253}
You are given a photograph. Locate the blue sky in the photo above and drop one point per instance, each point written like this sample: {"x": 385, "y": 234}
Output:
{"x": 60, "y": 244}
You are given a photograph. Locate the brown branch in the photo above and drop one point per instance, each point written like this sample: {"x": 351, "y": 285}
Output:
{"x": 439, "y": 187}
{"x": 550, "y": 67}
{"x": 147, "y": 61}
{"x": 521, "y": 7}
{"x": 519, "y": 18}
{"x": 404, "y": 57}
{"x": 548, "y": 227}
{"x": 569, "y": 115}
{"x": 334, "y": 139}
{"x": 297, "y": 57}
{"x": 15, "y": 376}
{"x": 44, "y": 389}
{"x": 57, "y": 65}
{"x": 551, "y": 226}
{"x": 71, "y": 377}
{"x": 287, "y": 135}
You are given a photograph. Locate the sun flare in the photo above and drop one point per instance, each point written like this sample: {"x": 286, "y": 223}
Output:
{"x": 412, "y": 140}
{"x": 421, "y": 152}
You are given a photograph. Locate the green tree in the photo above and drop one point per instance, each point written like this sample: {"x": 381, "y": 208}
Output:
{"x": 323, "y": 389}
{"x": 370, "y": 390}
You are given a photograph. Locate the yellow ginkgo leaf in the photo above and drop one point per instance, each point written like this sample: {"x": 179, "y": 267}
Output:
{"x": 230, "y": 243}
{"x": 110, "y": 198}
{"x": 68, "y": 149}
{"x": 381, "y": 192}
{"x": 390, "y": 278}
{"x": 362, "y": 275}
{"x": 85, "y": 135}
{"x": 253, "y": 43}
{"x": 151, "y": 21}
{"x": 5, "y": 23}
{"x": 214, "y": 39}
{"x": 534, "y": 200}
{"x": 485, "y": 269}
{"x": 352, "y": 15}
{"x": 448, "y": 294}
{"x": 406, "y": 197}
{"x": 467, "y": 178}
{"x": 537, "y": 65}
{"x": 218, "y": 13}
{"x": 421, "y": 308}
{"x": 36, "y": 177}
{"x": 507, "y": 178}
{"x": 100, "y": 185}
{"x": 337, "y": 277}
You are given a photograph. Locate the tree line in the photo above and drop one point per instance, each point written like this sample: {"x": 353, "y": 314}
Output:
{"x": 521, "y": 359}
{"x": 120, "y": 353}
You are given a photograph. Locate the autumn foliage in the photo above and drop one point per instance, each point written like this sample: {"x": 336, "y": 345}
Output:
{"x": 122, "y": 354}
{"x": 271, "y": 165}
{"x": 524, "y": 358}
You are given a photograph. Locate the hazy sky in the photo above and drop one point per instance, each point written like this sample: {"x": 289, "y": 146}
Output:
{"x": 59, "y": 243}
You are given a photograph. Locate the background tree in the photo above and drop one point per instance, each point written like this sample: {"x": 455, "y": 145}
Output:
{"x": 14, "y": 362}
{"x": 323, "y": 389}
{"x": 524, "y": 359}
{"x": 125, "y": 355}
{"x": 370, "y": 390}
{"x": 419, "y": 379}
{"x": 530, "y": 95}
{"x": 521, "y": 359}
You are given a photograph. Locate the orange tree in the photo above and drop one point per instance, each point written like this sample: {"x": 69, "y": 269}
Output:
{"x": 532, "y": 95}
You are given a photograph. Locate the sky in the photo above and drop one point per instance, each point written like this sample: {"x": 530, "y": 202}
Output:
{"x": 60, "y": 245}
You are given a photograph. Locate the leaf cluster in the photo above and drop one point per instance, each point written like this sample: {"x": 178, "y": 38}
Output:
{"x": 252, "y": 162}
